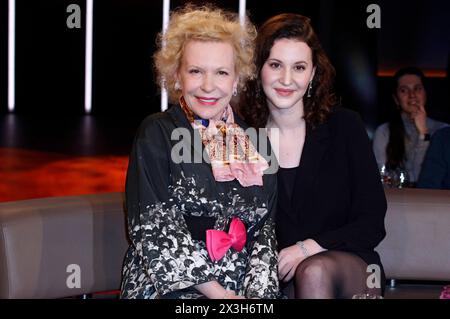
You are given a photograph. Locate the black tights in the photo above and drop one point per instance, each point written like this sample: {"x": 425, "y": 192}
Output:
{"x": 331, "y": 274}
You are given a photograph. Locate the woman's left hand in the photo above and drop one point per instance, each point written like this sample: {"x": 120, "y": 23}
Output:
{"x": 288, "y": 260}
{"x": 290, "y": 257}
{"x": 420, "y": 119}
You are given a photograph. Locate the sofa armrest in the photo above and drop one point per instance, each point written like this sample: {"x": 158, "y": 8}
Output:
{"x": 417, "y": 243}
{"x": 41, "y": 238}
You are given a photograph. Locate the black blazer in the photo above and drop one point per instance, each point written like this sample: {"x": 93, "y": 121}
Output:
{"x": 338, "y": 199}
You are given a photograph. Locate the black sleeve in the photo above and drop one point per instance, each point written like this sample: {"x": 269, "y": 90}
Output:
{"x": 169, "y": 255}
{"x": 434, "y": 167}
{"x": 261, "y": 278}
{"x": 365, "y": 228}
{"x": 148, "y": 169}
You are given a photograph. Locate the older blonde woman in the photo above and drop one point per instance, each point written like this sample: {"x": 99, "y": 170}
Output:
{"x": 200, "y": 229}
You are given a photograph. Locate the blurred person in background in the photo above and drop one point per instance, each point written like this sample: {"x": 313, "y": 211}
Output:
{"x": 401, "y": 143}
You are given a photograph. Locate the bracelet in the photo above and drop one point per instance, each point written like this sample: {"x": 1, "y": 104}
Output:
{"x": 301, "y": 244}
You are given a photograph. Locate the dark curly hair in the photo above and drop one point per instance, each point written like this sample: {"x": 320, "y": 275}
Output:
{"x": 253, "y": 105}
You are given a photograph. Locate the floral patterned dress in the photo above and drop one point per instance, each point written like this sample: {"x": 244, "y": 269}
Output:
{"x": 171, "y": 205}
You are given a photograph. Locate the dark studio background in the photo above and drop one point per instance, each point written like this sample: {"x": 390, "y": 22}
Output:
{"x": 50, "y": 56}
{"x": 49, "y": 114}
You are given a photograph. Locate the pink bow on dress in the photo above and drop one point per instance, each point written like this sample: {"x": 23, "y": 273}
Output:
{"x": 218, "y": 241}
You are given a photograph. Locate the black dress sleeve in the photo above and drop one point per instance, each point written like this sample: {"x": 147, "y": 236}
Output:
{"x": 365, "y": 227}
{"x": 261, "y": 279}
{"x": 169, "y": 255}
{"x": 435, "y": 166}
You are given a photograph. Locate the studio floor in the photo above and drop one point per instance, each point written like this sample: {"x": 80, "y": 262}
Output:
{"x": 70, "y": 155}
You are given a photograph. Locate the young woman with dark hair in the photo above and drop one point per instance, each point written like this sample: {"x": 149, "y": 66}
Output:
{"x": 331, "y": 204}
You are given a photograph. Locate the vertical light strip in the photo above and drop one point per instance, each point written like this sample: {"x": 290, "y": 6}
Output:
{"x": 88, "y": 57}
{"x": 242, "y": 7}
{"x": 165, "y": 19}
{"x": 11, "y": 55}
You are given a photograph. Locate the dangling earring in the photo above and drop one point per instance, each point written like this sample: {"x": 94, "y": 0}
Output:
{"x": 235, "y": 91}
{"x": 309, "y": 88}
{"x": 177, "y": 86}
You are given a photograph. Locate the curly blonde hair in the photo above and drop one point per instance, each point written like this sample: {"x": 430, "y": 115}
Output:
{"x": 204, "y": 23}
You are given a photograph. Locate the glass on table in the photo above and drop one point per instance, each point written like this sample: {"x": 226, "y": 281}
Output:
{"x": 394, "y": 178}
